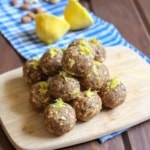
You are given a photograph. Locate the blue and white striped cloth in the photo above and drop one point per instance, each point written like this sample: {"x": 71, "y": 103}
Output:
{"x": 25, "y": 41}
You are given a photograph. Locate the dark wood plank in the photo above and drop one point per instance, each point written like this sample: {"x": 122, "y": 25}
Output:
{"x": 122, "y": 14}
{"x": 139, "y": 136}
{"x": 9, "y": 59}
{"x": 4, "y": 142}
{"x": 115, "y": 143}
{"x": 126, "y": 141}
{"x": 85, "y": 3}
{"x": 143, "y": 7}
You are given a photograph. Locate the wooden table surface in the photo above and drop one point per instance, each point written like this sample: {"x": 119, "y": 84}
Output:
{"x": 132, "y": 19}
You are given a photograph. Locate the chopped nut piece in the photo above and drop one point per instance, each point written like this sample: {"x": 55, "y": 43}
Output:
{"x": 25, "y": 19}
{"x": 37, "y": 10}
{"x": 14, "y": 2}
{"x": 25, "y": 7}
{"x": 31, "y": 14}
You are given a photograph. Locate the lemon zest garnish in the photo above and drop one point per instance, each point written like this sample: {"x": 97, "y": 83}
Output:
{"x": 59, "y": 103}
{"x": 43, "y": 87}
{"x": 75, "y": 91}
{"x": 62, "y": 73}
{"x": 113, "y": 83}
{"x": 83, "y": 42}
{"x": 84, "y": 50}
{"x": 53, "y": 51}
{"x": 95, "y": 41}
{"x": 89, "y": 93}
{"x": 34, "y": 63}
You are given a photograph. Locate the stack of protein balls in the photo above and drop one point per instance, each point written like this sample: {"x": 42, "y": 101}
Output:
{"x": 72, "y": 84}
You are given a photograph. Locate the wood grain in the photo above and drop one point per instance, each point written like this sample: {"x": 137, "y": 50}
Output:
{"x": 25, "y": 129}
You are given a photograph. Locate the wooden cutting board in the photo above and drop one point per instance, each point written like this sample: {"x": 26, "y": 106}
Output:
{"x": 25, "y": 128}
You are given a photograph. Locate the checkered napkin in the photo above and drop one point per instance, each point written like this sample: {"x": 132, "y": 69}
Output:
{"x": 25, "y": 41}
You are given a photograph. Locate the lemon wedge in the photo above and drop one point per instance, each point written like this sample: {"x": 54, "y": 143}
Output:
{"x": 50, "y": 28}
{"x": 77, "y": 16}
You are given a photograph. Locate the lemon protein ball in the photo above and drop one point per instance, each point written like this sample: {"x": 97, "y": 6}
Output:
{"x": 60, "y": 117}
{"x": 78, "y": 58}
{"x": 96, "y": 78}
{"x": 32, "y": 72}
{"x": 64, "y": 86}
{"x": 87, "y": 105}
{"x": 113, "y": 93}
{"x": 98, "y": 49}
{"x": 51, "y": 61}
{"x": 40, "y": 96}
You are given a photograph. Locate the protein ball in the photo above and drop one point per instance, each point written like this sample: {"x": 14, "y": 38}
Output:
{"x": 64, "y": 86}
{"x": 32, "y": 72}
{"x": 78, "y": 59}
{"x": 40, "y": 95}
{"x": 113, "y": 93}
{"x": 51, "y": 61}
{"x": 59, "y": 117}
{"x": 87, "y": 105}
{"x": 96, "y": 78}
{"x": 98, "y": 50}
